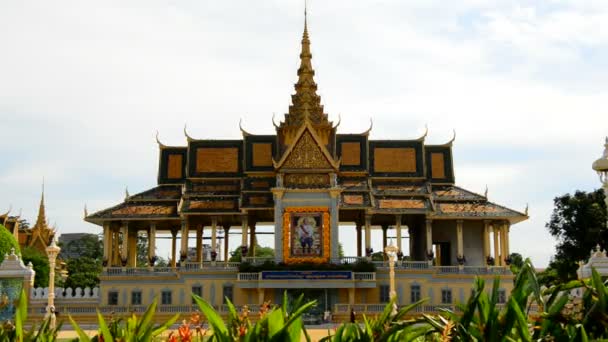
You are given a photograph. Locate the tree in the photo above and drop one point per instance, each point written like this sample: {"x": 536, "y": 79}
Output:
{"x": 579, "y": 223}
{"x": 260, "y": 252}
{"x": 41, "y": 265}
{"x": 83, "y": 272}
{"x": 517, "y": 261}
{"x": 142, "y": 251}
{"x": 88, "y": 246}
{"x": 7, "y": 242}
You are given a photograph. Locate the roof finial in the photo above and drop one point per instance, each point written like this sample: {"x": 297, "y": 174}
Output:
{"x": 160, "y": 144}
{"x": 41, "y": 220}
{"x": 243, "y": 131}
{"x": 127, "y": 193}
{"x": 305, "y": 16}
{"x": 526, "y": 211}
{"x": 485, "y": 194}
{"x": 86, "y": 212}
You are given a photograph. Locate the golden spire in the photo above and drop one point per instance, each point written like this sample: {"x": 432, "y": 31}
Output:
{"x": 41, "y": 220}
{"x": 306, "y": 104}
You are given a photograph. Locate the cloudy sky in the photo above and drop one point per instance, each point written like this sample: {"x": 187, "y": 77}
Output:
{"x": 84, "y": 86}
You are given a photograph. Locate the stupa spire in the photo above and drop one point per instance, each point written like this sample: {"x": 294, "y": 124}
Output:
{"x": 306, "y": 104}
{"x": 41, "y": 220}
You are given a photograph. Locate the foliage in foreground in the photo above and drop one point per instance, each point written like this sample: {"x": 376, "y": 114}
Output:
{"x": 17, "y": 332}
{"x": 134, "y": 329}
{"x": 281, "y": 323}
{"x": 556, "y": 318}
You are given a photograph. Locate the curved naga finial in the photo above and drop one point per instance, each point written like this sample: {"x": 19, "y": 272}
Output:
{"x": 526, "y": 211}
{"x": 160, "y": 144}
{"x": 371, "y": 125}
{"x": 10, "y": 207}
{"x": 127, "y": 193}
{"x": 485, "y": 193}
{"x": 245, "y": 133}
{"x": 86, "y": 212}
{"x": 186, "y": 133}
{"x": 273, "y": 123}
{"x": 339, "y": 121}
{"x": 449, "y": 143}
{"x": 426, "y": 132}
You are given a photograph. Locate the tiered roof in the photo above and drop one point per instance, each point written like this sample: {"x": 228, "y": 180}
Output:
{"x": 231, "y": 177}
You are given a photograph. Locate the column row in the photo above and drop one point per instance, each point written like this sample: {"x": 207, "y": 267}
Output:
{"x": 120, "y": 243}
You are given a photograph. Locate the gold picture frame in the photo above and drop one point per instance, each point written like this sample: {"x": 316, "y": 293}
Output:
{"x": 290, "y": 258}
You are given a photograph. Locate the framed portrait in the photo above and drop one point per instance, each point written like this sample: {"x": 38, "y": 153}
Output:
{"x": 306, "y": 235}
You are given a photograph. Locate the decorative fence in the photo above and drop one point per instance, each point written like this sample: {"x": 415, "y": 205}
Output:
{"x": 77, "y": 294}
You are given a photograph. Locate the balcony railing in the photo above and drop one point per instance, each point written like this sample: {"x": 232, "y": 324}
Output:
{"x": 195, "y": 267}
{"x": 75, "y": 309}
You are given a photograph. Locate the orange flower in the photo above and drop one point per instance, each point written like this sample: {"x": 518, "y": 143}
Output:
{"x": 171, "y": 338}
{"x": 185, "y": 335}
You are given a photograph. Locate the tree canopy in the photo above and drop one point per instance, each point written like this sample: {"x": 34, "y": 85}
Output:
{"x": 7, "y": 241}
{"x": 84, "y": 270}
{"x": 578, "y": 222}
{"x": 260, "y": 252}
{"x": 41, "y": 265}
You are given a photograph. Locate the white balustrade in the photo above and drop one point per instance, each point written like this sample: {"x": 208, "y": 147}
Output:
{"x": 40, "y": 293}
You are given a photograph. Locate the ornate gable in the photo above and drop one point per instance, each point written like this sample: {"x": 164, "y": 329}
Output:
{"x": 306, "y": 155}
{"x": 307, "y": 152}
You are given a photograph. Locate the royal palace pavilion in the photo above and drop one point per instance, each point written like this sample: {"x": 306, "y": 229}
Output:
{"x": 309, "y": 182}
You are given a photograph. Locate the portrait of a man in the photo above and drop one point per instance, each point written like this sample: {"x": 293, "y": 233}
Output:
{"x": 306, "y": 234}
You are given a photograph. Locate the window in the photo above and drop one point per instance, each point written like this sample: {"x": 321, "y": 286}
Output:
{"x": 502, "y": 296}
{"x": 136, "y": 298}
{"x": 385, "y": 296}
{"x": 166, "y": 297}
{"x": 227, "y": 293}
{"x": 197, "y": 290}
{"x": 113, "y": 298}
{"x": 446, "y": 296}
{"x": 414, "y": 293}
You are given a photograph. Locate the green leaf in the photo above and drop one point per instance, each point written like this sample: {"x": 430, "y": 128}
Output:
{"x": 146, "y": 320}
{"x": 601, "y": 290}
{"x": 82, "y": 336}
{"x": 103, "y": 327}
{"x": 20, "y": 316}
{"x": 161, "y": 328}
{"x": 275, "y": 322}
{"x": 522, "y": 322}
{"x": 295, "y": 330}
{"x": 215, "y": 320}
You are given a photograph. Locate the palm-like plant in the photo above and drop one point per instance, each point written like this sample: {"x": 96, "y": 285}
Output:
{"x": 282, "y": 323}
{"x": 385, "y": 327}
{"x": 133, "y": 330}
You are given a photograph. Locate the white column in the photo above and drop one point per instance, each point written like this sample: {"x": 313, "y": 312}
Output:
{"x": 495, "y": 230}
{"x": 429, "y": 239}
{"x": 486, "y": 241}
{"x": 124, "y": 243}
{"x": 460, "y": 246}
{"x": 507, "y": 231}
{"x": 368, "y": 233}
